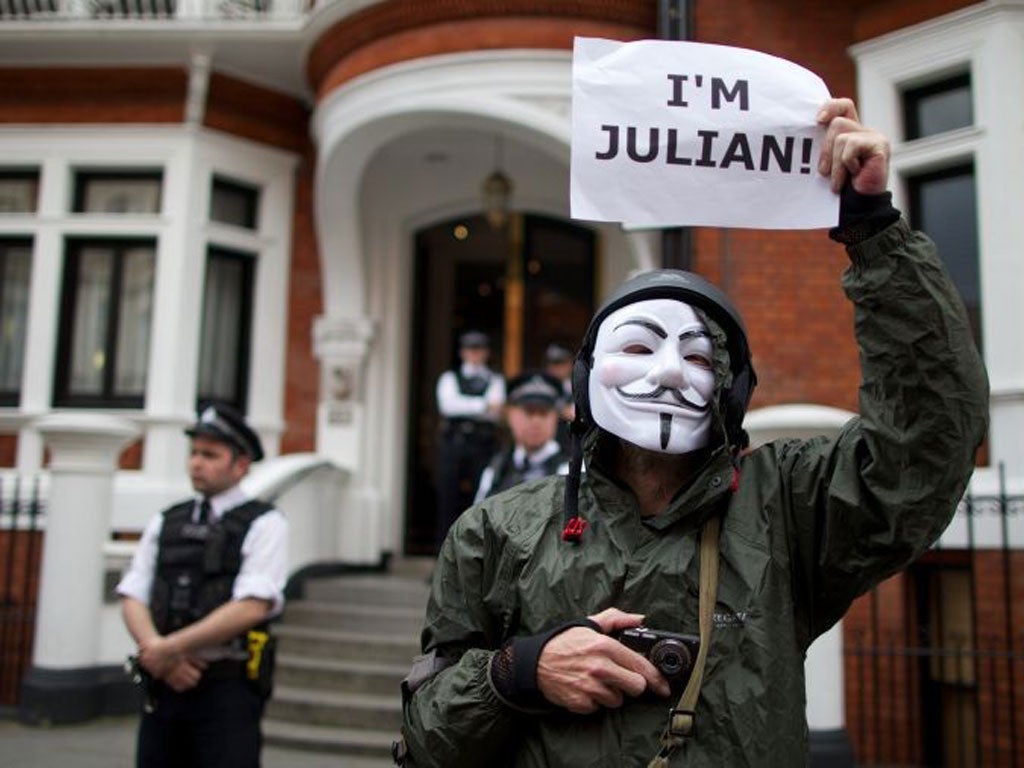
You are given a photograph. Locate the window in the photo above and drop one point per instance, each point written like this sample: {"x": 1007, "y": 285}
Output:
{"x": 233, "y": 203}
{"x": 947, "y": 663}
{"x": 15, "y": 273}
{"x": 19, "y": 191}
{"x": 227, "y": 320}
{"x": 122, "y": 192}
{"x": 944, "y": 204}
{"x": 937, "y": 107}
{"x": 106, "y": 313}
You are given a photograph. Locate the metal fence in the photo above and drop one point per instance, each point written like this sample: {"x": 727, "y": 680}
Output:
{"x": 21, "y": 546}
{"x": 935, "y": 656}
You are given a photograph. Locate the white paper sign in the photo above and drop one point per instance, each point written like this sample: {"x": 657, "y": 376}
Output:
{"x": 669, "y": 133}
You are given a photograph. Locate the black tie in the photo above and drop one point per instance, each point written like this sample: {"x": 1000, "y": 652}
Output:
{"x": 205, "y": 513}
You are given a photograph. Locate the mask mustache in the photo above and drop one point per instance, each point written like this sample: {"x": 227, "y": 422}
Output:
{"x": 657, "y": 392}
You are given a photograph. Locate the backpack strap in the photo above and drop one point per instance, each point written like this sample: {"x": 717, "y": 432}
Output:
{"x": 680, "y": 719}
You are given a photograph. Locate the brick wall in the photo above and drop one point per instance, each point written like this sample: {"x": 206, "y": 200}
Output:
{"x": 92, "y": 95}
{"x": 305, "y": 303}
{"x": 1000, "y": 686}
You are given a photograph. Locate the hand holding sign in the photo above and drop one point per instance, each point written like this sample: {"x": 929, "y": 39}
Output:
{"x": 668, "y": 133}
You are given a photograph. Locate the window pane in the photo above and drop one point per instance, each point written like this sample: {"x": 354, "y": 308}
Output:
{"x": 134, "y": 321}
{"x": 234, "y": 204}
{"x": 944, "y": 205}
{"x": 223, "y": 355}
{"x": 89, "y": 333}
{"x": 938, "y": 107}
{"x": 128, "y": 193}
{"x": 18, "y": 192}
{"x": 103, "y": 351}
{"x": 15, "y": 273}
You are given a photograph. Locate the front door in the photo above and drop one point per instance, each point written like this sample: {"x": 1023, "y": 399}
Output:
{"x": 525, "y": 286}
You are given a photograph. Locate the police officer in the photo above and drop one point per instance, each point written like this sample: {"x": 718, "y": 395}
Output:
{"x": 207, "y": 576}
{"x": 558, "y": 364}
{"x": 532, "y": 415}
{"x": 469, "y": 400}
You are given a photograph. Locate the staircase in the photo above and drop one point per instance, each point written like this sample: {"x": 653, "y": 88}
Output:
{"x": 342, "y": 653}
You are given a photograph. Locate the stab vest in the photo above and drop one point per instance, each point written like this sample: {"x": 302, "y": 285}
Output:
{"x": 507, "y": 474}
{"x": 472, "y": 386}
{"x": 196, "y": 564}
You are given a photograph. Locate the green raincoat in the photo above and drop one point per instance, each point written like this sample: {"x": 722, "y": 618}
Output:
{"x": 812, "y": 524}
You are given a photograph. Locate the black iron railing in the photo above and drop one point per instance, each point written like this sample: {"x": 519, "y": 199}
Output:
{"x": 21, "y": 547}
{"x": 935, "y": 657}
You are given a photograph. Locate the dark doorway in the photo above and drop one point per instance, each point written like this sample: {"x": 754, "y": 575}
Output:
{"x": 525, "y": 286}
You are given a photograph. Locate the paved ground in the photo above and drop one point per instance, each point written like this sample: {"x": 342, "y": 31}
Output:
{"x": 110, "y": 743}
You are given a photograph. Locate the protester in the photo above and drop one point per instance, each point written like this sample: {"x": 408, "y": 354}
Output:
{"x": 207, "y": 576}
{"x": 748, "y": 556}
{"x": 532, "y": 415}
{"x": 469, "y": 401}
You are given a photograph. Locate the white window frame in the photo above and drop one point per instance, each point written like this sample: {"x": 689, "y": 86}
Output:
{"x": 189, "y": 159}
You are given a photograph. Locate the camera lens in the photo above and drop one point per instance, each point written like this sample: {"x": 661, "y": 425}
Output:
{"x": 671, "y": 657}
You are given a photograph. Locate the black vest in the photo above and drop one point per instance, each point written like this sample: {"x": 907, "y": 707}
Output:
{"x": 507, "y": 474}
{"x": 196, "y": 564}
{"x": 472, "y": 386}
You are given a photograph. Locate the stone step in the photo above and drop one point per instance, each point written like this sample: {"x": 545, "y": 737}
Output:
{"x": 412, "y": 566}
{"x": 313, "y": 641}
{"x": 361, "y": 748}
{"x": 339, "y": 675}
{"x": 310, "y": 706}
{"x": 356, "y": 617}
{"x": 369, "y": 590}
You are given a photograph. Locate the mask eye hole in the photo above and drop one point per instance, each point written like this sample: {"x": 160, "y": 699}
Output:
{"x": 699, "y": 360}
{"x": 636, "y": 349}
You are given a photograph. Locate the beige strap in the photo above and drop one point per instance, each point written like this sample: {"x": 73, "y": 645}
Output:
{"x": 680, "y": 719}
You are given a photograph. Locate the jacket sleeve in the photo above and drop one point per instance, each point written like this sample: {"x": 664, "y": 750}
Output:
{"x": 868, "y": 503}
{"x": 456, "y": 719}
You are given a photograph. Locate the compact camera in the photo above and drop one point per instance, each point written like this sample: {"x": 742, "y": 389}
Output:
{"x": 673, "y": 654}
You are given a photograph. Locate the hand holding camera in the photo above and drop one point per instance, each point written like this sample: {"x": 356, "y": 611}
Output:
{"x": 582, "y": 670}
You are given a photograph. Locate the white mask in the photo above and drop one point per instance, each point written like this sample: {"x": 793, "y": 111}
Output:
{"x": 653, "y": 378}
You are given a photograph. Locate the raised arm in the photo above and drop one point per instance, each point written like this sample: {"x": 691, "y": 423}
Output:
{"x": 875, "y": 499}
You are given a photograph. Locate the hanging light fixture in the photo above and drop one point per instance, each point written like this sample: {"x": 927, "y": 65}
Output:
{"x": 497, "y": 192}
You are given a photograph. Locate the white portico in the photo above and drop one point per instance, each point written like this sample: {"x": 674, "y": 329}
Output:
{"x": 399, "y": 149}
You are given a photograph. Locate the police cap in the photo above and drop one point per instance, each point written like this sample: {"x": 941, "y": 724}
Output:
{"x": 536, "y": 389}
{"x": 557, "y": 353}
{"x": 224, "y": 423}
{"x": 474, "y": 340}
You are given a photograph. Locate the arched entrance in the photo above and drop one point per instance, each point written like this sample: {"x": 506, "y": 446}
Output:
{"x": 526, "y": 286}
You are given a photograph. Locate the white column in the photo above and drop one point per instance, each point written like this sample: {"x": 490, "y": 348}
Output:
{"x": 823, "y": 669}
{"x": 84, "y": 450}
{"x": 342, "y": 345}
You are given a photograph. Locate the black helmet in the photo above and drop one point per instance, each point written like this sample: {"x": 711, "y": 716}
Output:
{"x": 682, "y": 286}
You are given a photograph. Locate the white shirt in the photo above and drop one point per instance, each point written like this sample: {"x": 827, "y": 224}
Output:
{"x": 264, "y": 568}
{"x": 452, "y": 403}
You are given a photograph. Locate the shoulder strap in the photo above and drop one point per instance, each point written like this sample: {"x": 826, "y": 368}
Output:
{"x": 680, "y": 719}
{"x": 245, "y": 513}
{"x": 224, "y": 550}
